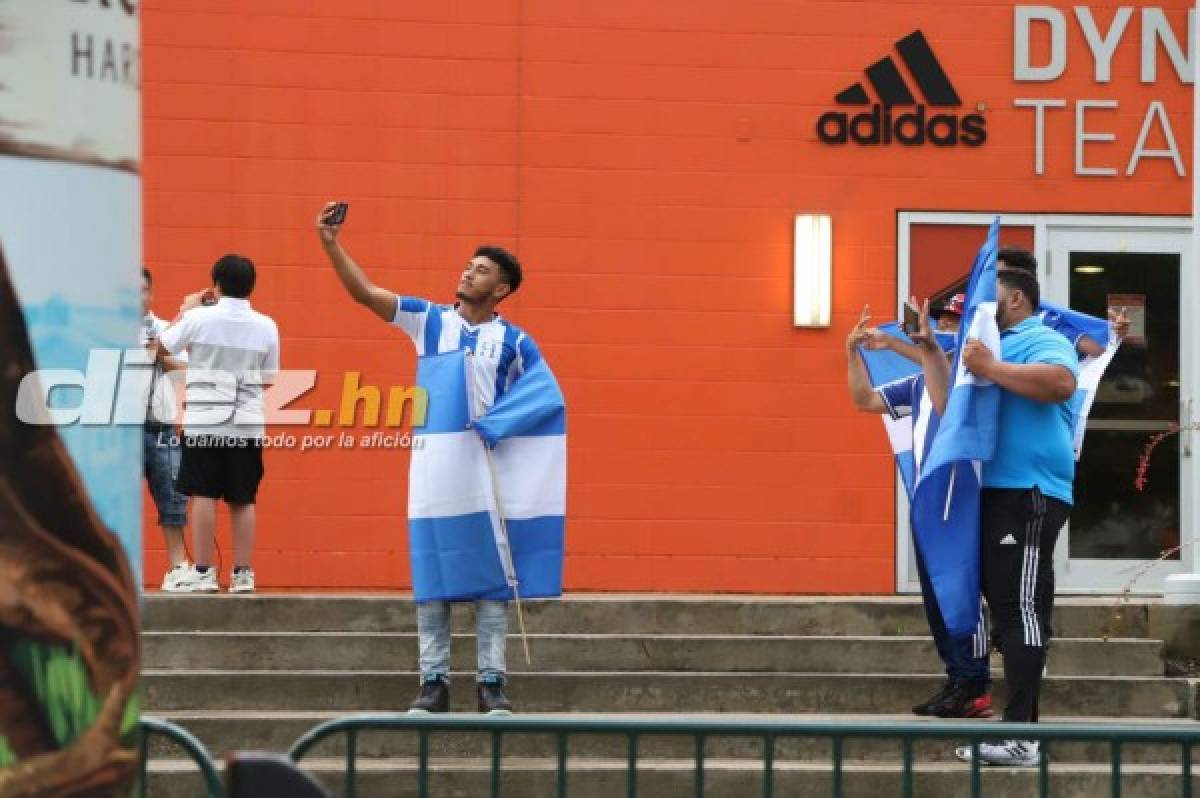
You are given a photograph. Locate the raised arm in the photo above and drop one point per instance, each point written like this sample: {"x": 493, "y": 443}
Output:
{"x": 1118, "y": 319}
{"x": 933, "y": 361}
{"x": 876, "y": 339}
{"x": 380, "y": 301}
{"x": 864, "y": 396}
{"x": 902, "y": 348}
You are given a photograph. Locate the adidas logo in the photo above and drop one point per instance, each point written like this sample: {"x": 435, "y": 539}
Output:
{"x": 911, "y": 128}
{"x": 1008, "y": 540}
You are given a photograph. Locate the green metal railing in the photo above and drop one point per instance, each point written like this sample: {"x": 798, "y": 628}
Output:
{"x": 768, "y": 731}
{"x": 190, "y": 745}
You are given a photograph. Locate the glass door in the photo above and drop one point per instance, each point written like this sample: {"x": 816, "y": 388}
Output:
{"x": 1134, "y": 484}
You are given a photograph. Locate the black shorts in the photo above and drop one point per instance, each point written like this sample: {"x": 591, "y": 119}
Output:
{"x": 214, "y": 467}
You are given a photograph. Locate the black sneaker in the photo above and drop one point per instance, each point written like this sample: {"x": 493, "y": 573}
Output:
{"x": 492, "y": 700}
{"x": 434, "y": 696}
{"x": 965, "y": 701}
{"x": 926, "y": 706}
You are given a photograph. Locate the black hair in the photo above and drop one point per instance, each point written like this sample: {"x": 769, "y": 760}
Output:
{"x": 1018, "y": 258}
{"x": 146, "y": 276}
{"x": 510, "y": 267}
{"x": 234, "y": 274}
{"x": 1023, "y": 281}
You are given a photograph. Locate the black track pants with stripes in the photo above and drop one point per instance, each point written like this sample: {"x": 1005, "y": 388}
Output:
{"x": 1019, "y": 529}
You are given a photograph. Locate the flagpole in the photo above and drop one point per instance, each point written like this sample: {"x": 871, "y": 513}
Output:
{"x": 505, "y": 547}
{"x": 950, "y": 491}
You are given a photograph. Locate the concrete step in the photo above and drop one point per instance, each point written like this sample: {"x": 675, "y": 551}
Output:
{"x": 524, "y": 778}
{"x": 596, "y": 652}
{"x": 618, "y": 614}
{"x": 1076, "y": 696}
{"x": 234, "y": 730}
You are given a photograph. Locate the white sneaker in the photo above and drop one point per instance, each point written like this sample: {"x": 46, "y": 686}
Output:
{"x": 205, "y": 582}
{"x": 1009, "y": 753}
{"x": 180, "y": 579}
{"x": 242, "y": 581}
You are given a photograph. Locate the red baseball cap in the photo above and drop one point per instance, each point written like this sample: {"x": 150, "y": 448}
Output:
{"x": 952, "y": 305}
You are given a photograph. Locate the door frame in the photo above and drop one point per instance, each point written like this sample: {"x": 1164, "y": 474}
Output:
{"x": 1044, "y": 225}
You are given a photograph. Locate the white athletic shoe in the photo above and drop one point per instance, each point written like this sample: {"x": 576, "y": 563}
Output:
{"x": 242, "y": 581}
{"x": 180, "y": 579}
{"x": 205, "y": 582}
{"x": 1009, "y": 753}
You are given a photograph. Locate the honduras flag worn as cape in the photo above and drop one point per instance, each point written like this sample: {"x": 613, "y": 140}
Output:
{"x": 471, "y": 538}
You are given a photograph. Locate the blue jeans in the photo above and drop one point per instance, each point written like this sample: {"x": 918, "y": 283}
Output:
{"x": 965, "y": 658}
{"x": 491, "y": 633}
{"x": 160, "y": 461}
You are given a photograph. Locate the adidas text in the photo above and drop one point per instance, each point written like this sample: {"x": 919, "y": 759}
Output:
{"x": 912, "y": 128}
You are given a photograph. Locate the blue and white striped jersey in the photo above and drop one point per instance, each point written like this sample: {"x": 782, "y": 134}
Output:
{"x": 902, "y": 397}
{"x": 502, "y": 351}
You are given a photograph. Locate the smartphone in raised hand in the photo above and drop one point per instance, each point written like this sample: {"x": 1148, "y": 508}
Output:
{"x": 337, "y": 214}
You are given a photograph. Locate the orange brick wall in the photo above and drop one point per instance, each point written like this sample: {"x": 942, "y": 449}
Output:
{"x": 645, "y": 160}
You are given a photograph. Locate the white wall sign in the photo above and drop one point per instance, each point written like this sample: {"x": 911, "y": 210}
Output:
{"x": 1041, "y": 55}
{"x": 81, "y": 99}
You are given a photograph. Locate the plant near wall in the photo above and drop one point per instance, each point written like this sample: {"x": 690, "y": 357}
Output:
{"x": 1140, "y": 482}
{"x": 1143, "y": 469}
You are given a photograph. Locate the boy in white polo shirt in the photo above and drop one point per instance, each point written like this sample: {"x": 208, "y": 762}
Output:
{"x": 233, "y": 352}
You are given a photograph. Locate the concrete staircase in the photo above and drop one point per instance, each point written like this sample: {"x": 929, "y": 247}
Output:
{"x": 255, "y": 672}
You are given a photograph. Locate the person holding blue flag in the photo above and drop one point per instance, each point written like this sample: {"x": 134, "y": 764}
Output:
{"x": 1026, "y": 491}
{"x": 966, "y": 692}
{"x": 487, "y": 484}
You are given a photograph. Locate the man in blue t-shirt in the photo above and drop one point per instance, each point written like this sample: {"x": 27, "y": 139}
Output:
{"x": 1027, "y": 493}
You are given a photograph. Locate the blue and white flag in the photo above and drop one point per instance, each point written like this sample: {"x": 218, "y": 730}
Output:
{"x": 1074, "y": 324}
{"x": 945, "y": 507}
{"x": 471, "y": 537}
{"x": 1091, "y": 371}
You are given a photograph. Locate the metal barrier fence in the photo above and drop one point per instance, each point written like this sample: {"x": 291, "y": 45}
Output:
{"x": 768, "y": 731}
{"x": 190, "y": 745}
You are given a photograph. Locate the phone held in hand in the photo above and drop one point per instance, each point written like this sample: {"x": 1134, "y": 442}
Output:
{"x": 912, "y": 318}
{"x": 337, "y": 215}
